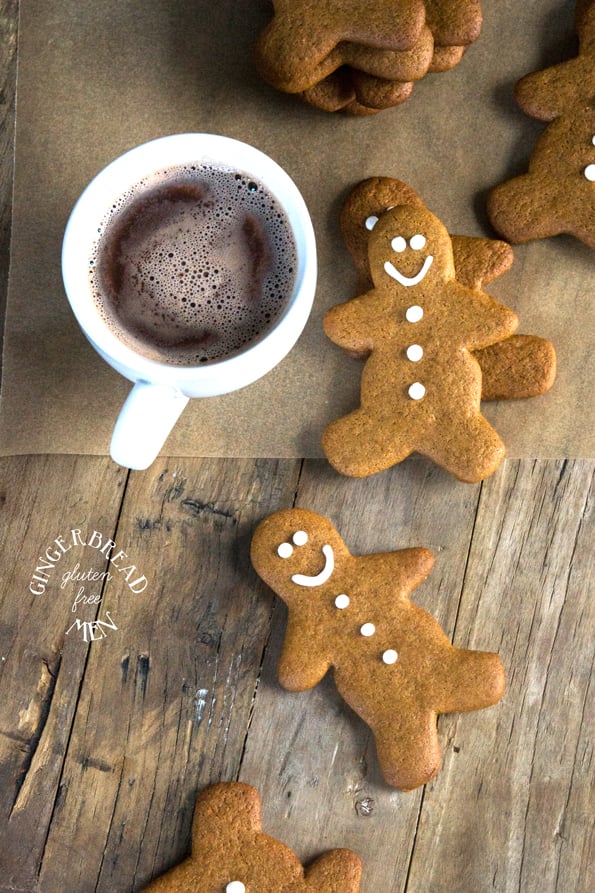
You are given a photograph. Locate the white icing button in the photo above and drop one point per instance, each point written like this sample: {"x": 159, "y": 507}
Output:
{"x": 368, "y": 629}
{"x": 285, "y": 550}
{"x": 414, "y": 313}
{"x": 235, "y": 887}
{"x": 417, "y": 391}
{"x": 371, "y": 222}
{"x": 593, "y": 140}
{"x": 390, "y": 657}
{"x": 417, "y": 242}
{"x": 300, "y": 537}
{"x": 590, "y": 173}
{"x": 342, "y": 601}
{"x": 415, "y": 353}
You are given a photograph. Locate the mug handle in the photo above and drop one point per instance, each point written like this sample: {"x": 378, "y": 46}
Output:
{"x": 149, "y": 413}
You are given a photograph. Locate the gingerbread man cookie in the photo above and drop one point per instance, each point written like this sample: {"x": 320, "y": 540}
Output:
{"x": 351, "y": 56}
{"x": 517, "y": 367}
{"x": 330, "y": 54}
{"x": 392, "y": 663}
{"x": 302, "y": 33}
{"x": 230, "y": 854}
{"x": 420, "y": 386}
{"x": 557, "y": 194}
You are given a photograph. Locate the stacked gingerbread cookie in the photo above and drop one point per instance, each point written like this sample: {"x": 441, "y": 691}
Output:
{"x": 361, "y": 58}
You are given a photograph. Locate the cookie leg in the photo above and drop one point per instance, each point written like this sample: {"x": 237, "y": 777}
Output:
{"x": 474, "y": 679}
{"x": 467, "y": 447}
{"x": 333, "y": 871}
{"x": 518, "y": 367}
{"x": 357, "y": 445}
{"x": 407, "y": 748}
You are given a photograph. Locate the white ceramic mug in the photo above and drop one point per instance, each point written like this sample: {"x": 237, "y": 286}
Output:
{"x": 162, "y": 390}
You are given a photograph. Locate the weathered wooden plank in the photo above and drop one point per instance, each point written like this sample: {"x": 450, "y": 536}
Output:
{"x": 8, "y": 66}
{"x": 312, "y": 758}
{"x": 512, "y": 810}
{"x": 158, "y": 715}
{"x": 166, "y": 698}
{"x": 42, "y": 500}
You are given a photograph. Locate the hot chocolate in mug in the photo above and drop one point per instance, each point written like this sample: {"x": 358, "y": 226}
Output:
{"x": 190, "y": 265}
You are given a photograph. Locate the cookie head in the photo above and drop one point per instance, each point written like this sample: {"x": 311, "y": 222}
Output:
{"x": 296, "y": 552}
{"x": 230, "y": 854}
{"x": 410, "y": 247}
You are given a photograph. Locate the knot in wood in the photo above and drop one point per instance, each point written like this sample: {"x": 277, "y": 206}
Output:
{"x": 365, "y": 807}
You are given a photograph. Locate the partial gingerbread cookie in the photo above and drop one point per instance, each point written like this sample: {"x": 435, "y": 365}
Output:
{"x": 332, "y": 94}
{"x": 557, "y": 194}
{"x": 302, "y": 33}
{"x": 391, "y": 661}
{"x": 445, "y": 58}
{"x": 518, "y": 367}
{"x": 309, "y": 45}
{"x": 230, "y": 854}
{"x": 356, "y": 93}
{"x": 397, "y": 65}
{"x": 420, "y": 386}
{"x": 403, "y": 65}
{"x": 379, "y": 93}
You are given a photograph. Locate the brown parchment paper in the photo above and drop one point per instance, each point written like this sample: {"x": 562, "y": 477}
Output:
{"x": 96, "y": 78}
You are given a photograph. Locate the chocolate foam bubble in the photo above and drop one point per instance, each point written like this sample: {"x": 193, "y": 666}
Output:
{"x": 193, "y": 265}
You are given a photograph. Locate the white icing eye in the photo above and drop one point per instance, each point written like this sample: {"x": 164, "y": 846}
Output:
{"x": 285, "y": 550}
{"x": 417, "y": 391}
{"x": 593, "y": 140}
{"x": 367, "y": 630}
{"x": 235, "y": 887}
{"x": 414, "y": 314}
{"x": 300, "y": 538}
{"x": 390, "y": 657}
{"x": 414, "y": 353}
{"x": 371, "y": 222}
{"x": 417, "y": 242}
{"x": 590, "y": 173}
{"x": 342, "y": 602}
{"x": 398, "y": 244}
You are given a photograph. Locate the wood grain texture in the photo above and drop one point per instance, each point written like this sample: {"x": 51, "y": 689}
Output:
{"x": 42, "y": 668}
{"x": 105, "y": 742}
{"x": 520, "y": 775}
{"x": 135, "y": 720}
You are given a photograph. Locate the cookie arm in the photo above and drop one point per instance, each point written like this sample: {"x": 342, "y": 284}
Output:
{"x": 479, "y": 261}
{"x": 472, "y": 680}
{"x": 400, "y": 571}
{"x": 352, "y": 325}
{"x": 304, "y": 661}
{"x": 547, "y": 94}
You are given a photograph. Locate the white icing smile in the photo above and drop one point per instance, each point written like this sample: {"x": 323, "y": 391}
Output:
{"x": 409, "y": 280}
{"x": 324, "y": 575}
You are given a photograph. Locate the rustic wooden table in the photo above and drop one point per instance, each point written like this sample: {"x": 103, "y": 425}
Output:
{"x": 115, "y": 713}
